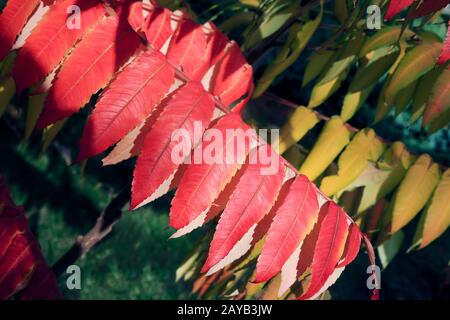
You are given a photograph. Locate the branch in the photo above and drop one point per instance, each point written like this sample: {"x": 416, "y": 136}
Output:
{"x": 101, "y": 229}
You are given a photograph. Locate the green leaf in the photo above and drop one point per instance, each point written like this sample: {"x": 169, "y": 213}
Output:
{"x": 316, "y": 65}
{"x": 417, "y": 61}
{"x": 390, "y": 248}
{"x": 298, "y": 37}
{"x": 387, "y": 36}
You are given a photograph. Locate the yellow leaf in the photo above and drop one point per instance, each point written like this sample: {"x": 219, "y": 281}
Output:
{"x": 353, "y": 101}
{"x": 437, "y": 215}
{"x": 332, "y": 140}
{"x": 364, "y": 146}
{"x": 300, "y": 122}
{"x": 321, "y": 92}
{"x": 393, "y": 166}
{"x": 414, "y": 191}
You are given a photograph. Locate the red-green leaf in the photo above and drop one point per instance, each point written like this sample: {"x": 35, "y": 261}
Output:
{"x": 445, "y": 55}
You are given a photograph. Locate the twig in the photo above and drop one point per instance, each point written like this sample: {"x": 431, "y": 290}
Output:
{"x": 101, "y": 229}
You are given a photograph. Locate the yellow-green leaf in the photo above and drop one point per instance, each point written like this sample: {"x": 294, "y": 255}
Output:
{"x": 316, "y": 64}
{"x": 332, "y": 140}
{"x": 7, "y": 90}
{"x": 376, "y": 67}
{"x": 345, "y": 57}
{"x": 364, "y": 146}
{"x": 35, "y": 107}
{"x": 418, "y": 61}
{"x": 437, "y": 214}
{"x": 392, "y": 167}
{"x": 51, "y": 132}
{"x": 404, "y": 97}
{"x": 383, "y": 107}
{"x": 341, "y": 10}
{"x": 387, "y": 36}
{"x": 321, "y": 92}
{"x": 353, "y": 101}
{"x": 300, "y": 122}
{"x": 298, "y": 37}
{"x": 414, "y": 191}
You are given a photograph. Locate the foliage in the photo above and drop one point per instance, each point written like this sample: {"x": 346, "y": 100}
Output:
{"x": 273, "y": 238}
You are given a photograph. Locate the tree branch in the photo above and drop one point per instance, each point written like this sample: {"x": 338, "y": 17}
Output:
{"x": 101, "y": 229}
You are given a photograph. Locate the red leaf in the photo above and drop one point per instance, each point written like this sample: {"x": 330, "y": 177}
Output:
{"x": 187, "y": 48}
{"x": 445, "y": 55}
{"x": 158, "y": 27}
{"x": 216, "y": 45}
{"x": 309, "y": 245}
{"x": 12, "y": 19}
{"x": 203, "y": 182}
{"x": 191, "y": 104}
{"x": 428, "y": 7}
{"x": 131, "y": 145}
{"x": 329, "y": 248}
{"x": 395, "y": 6}
{"x": 112, "y": 43}
{"x": 51, "y": 40}
{"x": 21, "y": 262}
{"x": 233, "y": 76}
{"x": 131, "y": 97}
{"x": 252, "y": 199}
{"x": 351, "y": 247}
{"x": 293, "y": 221}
